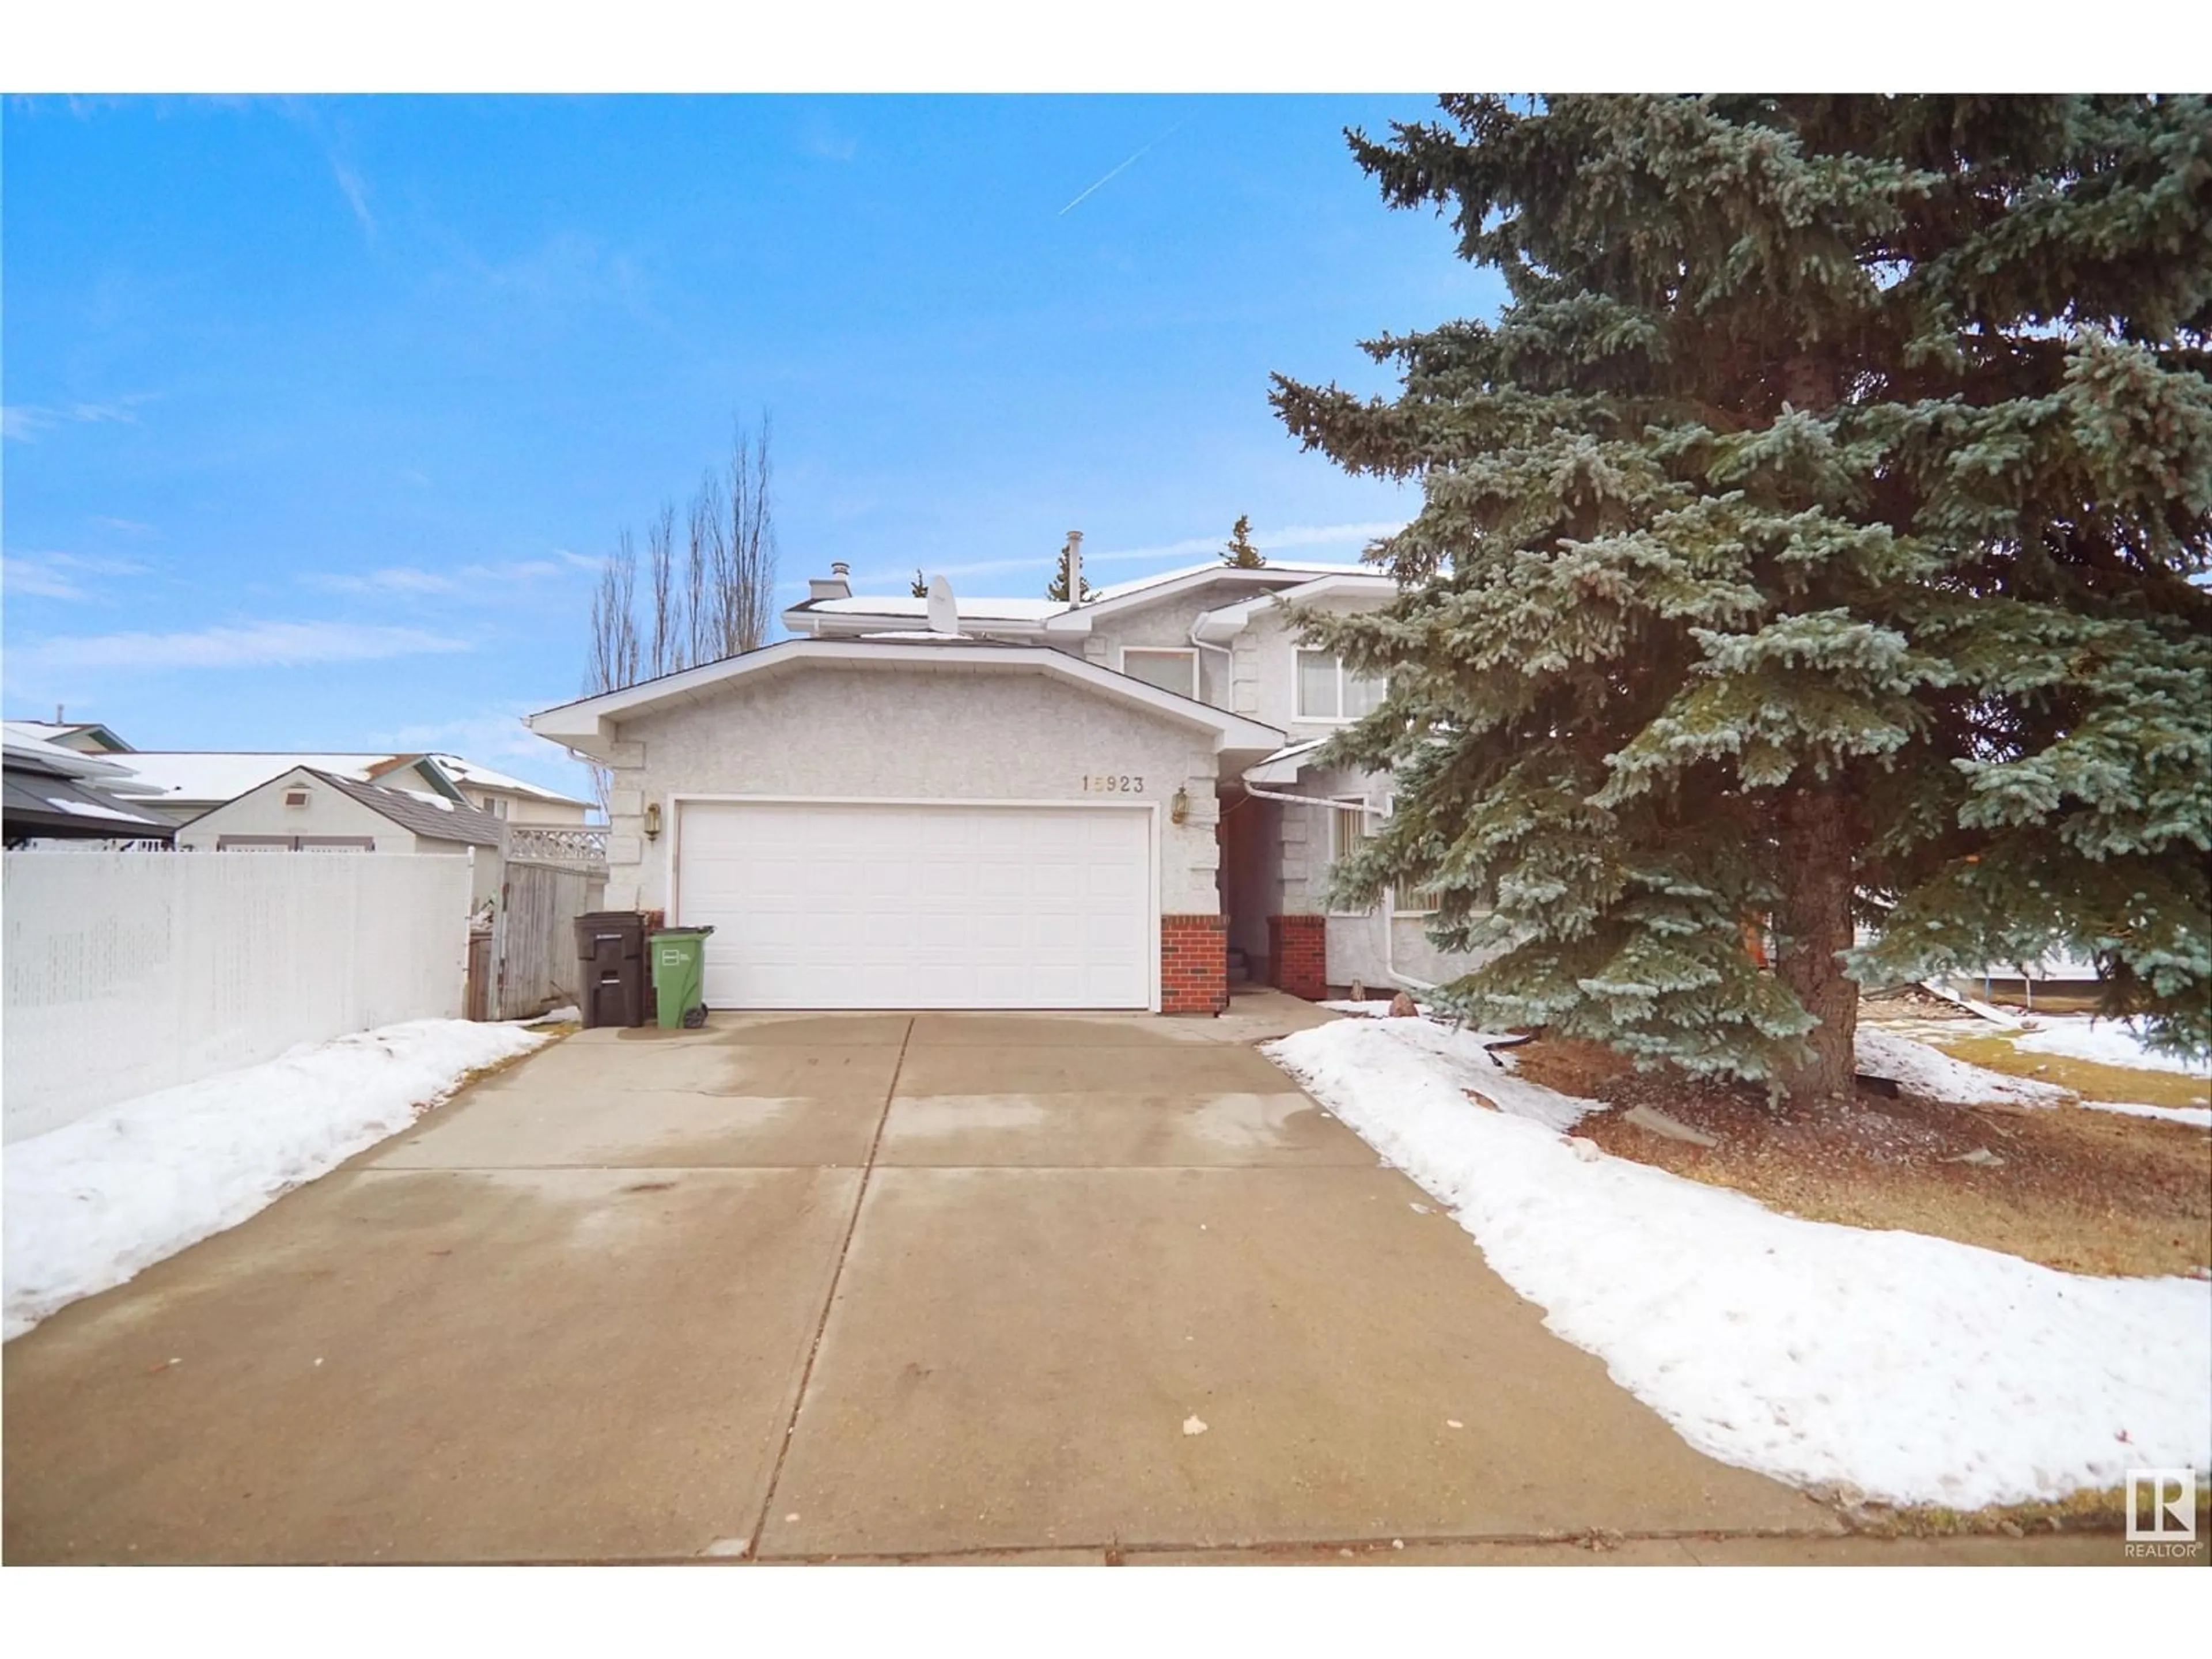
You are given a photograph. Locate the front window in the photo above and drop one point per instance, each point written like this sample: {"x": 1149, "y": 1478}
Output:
{"x": 1174, "y": 670}
{"x": 1328, "y": 690}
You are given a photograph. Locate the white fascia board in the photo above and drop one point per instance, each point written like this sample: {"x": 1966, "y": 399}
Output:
{"x": 1078, "y": 619}
{"x": 588, "y": 725}
{"x": 1285, "y": 765}
{"x": 1231, "y": 620}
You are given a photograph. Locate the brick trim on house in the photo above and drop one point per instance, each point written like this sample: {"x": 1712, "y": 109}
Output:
{"x": 1194, "y": 964}
{"x": 1297, "y": 955}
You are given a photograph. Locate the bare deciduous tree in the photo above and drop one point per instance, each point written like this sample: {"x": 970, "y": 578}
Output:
{"x": 712, "y": 597}
{"x": 660, "y": 557}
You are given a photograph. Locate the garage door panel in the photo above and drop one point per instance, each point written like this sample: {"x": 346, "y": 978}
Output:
{"x": 849, "y": 905}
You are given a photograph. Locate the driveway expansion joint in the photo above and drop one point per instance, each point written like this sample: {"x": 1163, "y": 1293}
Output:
{"x": 829, "y": 1300}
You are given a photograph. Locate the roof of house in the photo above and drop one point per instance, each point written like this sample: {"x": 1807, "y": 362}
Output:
{"x": 431, "y": 816}
{"x": 588, "y": 723}
{"x": 1043, "y": 613}
{"x": 467, "y": 771}
{"x": 191, "y": 777}
{"x": 54, "y": 730}
{"x": 41, "y": 794}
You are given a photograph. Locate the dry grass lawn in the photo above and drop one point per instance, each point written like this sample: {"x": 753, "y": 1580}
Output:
{"x": 2081, "y": 1190}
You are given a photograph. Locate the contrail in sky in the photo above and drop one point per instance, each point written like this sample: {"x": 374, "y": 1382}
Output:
{"x": 1170, "y": 133}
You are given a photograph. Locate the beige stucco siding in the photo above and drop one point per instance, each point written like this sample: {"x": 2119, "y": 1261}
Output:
{"x": 1163, "y": 627}
{"x": 328, "y": 813}
{"x": 909, "y": 733}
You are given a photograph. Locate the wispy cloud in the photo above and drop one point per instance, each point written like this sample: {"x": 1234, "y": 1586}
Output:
{"x": 244, "y": 645}
{"x": 128, "y": 526}
{"x": 356, "y": 194}
{"x": 60, "y": 576}
{"x": 482, "y": 581}
{"x": 821, "y": 137}
{"x": 24, "y": 421}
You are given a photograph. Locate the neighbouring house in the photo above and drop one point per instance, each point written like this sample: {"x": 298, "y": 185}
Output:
{"x": 57, "y": 793}
{"x": 511, "y": 798}
{"x": 83, "y": 736}
{"x": 1008, "y": 803}
{"x": 181, "y": 785}
{"x": 308, "y": 809}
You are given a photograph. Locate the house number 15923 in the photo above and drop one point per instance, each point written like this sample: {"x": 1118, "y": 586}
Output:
{"x": 1113, "y": 783}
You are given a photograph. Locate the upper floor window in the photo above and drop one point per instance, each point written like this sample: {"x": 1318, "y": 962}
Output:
{"x": 1170, "y": 669}
{"x": 1328, "y": 690}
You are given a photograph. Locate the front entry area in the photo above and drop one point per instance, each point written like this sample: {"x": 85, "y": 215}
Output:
{"x": 896, "y": 905}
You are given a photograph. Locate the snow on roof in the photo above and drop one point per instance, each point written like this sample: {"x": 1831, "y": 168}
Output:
{"x": 213, "y": 777}
{"x": 1004, "y": 609}
{"x": 21, "y": 739}
{"x": 905, "y": 605}
{"x": 428, "y": 798}
{"x": 405, "y": 807}
{"x": 467, "y": 771}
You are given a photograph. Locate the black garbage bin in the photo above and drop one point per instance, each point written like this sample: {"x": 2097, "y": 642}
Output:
{"x": 610, "y": 953}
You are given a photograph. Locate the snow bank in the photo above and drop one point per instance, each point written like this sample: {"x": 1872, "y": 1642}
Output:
{"x": 1934, "y": 1075}
{"x": 2107, "y": 1042}
{"x": 1920, "y": 1370}
{"x": 92, "y": 1204}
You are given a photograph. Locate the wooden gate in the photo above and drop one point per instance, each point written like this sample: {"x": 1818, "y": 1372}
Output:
{"x": 534, "y": 937}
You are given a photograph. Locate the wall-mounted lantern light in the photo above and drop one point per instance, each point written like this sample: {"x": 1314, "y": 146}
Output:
{"x": 1179, "y": 808}
{"x": 652, "y": 820}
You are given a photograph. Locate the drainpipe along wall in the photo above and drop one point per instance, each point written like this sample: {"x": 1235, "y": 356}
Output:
{"x": 1390, "y": 907}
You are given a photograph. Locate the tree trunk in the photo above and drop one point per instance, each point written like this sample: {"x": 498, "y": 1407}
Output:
{"x": 1812, "y": 926}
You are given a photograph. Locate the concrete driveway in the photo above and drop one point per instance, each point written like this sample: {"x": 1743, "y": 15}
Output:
{"x": 799, "y": 1286}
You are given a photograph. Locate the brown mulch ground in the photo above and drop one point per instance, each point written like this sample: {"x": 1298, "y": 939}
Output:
{"x": 2085, "y": 1191}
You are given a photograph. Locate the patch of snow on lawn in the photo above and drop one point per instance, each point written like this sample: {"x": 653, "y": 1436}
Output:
{"x": 2194, "y": 1117}
{"x": 94, "y": 1203}
{"x": 2105, "y": 1041}
{"x": 1920, "y": 1370}
{"x": 1935, "y": 1075}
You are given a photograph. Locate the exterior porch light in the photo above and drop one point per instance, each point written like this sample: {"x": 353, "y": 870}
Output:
{"x": 1179, "y": 808}
{"x": 653, "y": 820}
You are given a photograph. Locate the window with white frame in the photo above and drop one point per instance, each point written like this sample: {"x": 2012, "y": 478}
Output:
{"x": 1328, "y": 690}
{"x": 1348, "y": 834}
{"x": 1171, "y": 668}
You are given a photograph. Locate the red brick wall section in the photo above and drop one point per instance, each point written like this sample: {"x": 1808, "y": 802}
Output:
{"x": 1194, "y": 964}
{"x": 1297, "y": 955}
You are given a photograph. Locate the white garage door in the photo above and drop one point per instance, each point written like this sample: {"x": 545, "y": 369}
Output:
{"x": 836, "y": 905}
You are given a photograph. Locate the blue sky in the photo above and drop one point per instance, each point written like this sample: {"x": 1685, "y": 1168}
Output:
{"x": 320, "y": 413}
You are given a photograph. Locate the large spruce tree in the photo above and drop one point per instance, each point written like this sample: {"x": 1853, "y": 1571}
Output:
{"x": 1809, "y": 542}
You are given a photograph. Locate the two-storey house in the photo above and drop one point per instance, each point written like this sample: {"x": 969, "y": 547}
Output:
{"x": 932, "y": 803}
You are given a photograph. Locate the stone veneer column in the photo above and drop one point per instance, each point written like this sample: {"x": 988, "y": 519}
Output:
{"x": 1194, "y": 964}
{"x": 1297, "y": 955}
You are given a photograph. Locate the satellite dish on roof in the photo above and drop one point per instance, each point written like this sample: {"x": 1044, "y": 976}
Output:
{"x": 944, "y": 613}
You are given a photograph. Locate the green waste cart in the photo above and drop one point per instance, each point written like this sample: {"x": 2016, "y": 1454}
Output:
{"x": 680, "y": 975}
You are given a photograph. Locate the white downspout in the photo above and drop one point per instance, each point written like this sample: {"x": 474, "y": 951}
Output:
{"x": 1389, "y": 894}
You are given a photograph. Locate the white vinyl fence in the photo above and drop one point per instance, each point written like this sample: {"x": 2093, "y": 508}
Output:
{"x": 129, "y": 972}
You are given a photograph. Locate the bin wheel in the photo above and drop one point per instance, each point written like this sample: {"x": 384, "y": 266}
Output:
{"x": 694, "y": 1017}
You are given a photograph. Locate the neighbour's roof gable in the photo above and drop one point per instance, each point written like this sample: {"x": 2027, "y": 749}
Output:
{"x": 467, "y": 771}
{"x": 588, "y": 724}
{"x": 92, "y": 731}
{"x": 431, "y": 816}
{"x": 192, "y": 776}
